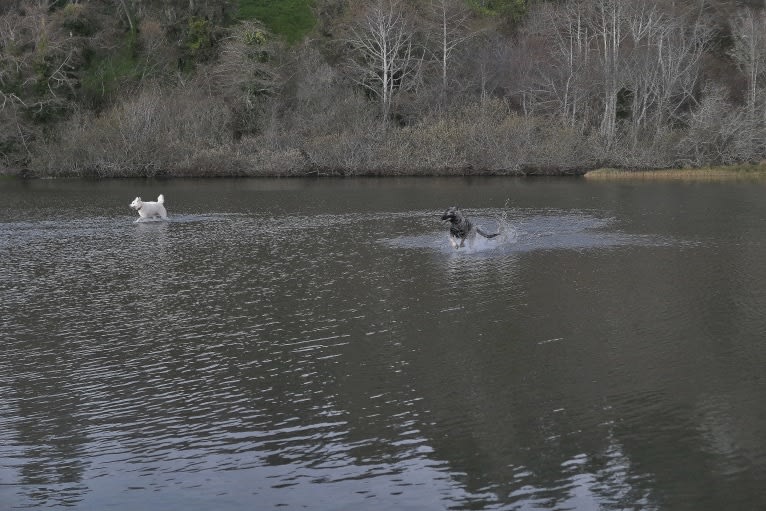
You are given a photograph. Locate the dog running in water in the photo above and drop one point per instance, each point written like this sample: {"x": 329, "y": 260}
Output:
{"x": 149, "y": 209}
{"x": 461, "y": 227}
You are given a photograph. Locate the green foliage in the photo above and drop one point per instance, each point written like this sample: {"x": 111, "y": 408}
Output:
{"x": 105, "y": 73}
{"x": 75, "y": 19}
{"x": 255, "y": 37}
{"x": 40, "y": 69}
{"x": 291, "y": 19}
{"x": 199, "y": 37}
{"x": 511, "y": 9}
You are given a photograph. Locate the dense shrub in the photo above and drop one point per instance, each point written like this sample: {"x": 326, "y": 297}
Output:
{"x": 146, "y": 136}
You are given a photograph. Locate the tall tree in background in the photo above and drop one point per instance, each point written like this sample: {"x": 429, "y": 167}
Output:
{"x": 749, "y": 53}
{"x": 608, "y": 27}
{"x": 662, "y": 66}
{"x": 385, "y": 59}
{"x": 561, "y": 77}
{"x": 450, "y": 18}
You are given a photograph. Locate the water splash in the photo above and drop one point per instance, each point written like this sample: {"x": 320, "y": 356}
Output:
{"x": 150, "y": 220}
{"x": 491, "y": 222}
{"x": 527, "y": 231}
{"x": 508, "y": 232}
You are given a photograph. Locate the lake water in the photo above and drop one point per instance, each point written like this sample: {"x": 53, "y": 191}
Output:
{"x": 318, "y": 344}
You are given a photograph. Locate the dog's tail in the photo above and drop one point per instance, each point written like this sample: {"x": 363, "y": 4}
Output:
{"x": 486, "y": 235}
{"x": 161, "y": 199}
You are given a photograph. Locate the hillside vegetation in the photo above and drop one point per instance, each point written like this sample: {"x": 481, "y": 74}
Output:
{"x": 113, "y": 88}
{"x": 289, "y": 19}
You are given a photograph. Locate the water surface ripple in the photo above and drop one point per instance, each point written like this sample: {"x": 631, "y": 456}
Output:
{"x": 322, "y": 346}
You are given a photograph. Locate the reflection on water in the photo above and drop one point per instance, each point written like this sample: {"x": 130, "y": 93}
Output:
{"x": 320, "y": 344}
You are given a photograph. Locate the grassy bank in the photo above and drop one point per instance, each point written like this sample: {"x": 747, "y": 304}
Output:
{"x": 747, "y": 171}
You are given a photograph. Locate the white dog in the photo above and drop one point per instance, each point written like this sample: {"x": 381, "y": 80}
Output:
{"x": 150, "y": 209}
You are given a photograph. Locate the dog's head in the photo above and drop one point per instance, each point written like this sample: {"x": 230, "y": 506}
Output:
{"x": 137, "y": 203}
{"x": 453, "y": 214}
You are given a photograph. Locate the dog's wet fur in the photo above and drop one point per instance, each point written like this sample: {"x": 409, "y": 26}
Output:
{"x": 461, "y": 228}
{"x": 150, "y": 209}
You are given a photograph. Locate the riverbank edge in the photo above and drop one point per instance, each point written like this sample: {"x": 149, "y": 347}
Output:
{"x": 239, "y": 172}
{"x": 739, "y": 171}
{"x": 723, "y": 172}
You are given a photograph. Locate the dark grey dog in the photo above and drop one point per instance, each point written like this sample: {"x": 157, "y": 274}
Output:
{"x": 461, "y": 227}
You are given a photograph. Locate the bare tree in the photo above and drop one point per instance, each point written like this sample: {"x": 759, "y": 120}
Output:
{"x": 715, "y": 127}
{"x": 578, "y": 74}
{"x": 489, "y": 65}
{"x": 608, "y": 26}
{"x": 451, "y": 20}
{"x": 385, "y": 56}
{"x": 37, "y": 60}
{"x": 616, "y": 63}
{"x": 749, "y": 52}
{"x": 560, "y": 77}
{"x": 662, "y": 67}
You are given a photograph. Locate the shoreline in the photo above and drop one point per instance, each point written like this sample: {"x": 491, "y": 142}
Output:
{"x": 313, "y": 173}
{"x": 724, "y": 172}
{"x": 754, "y": 171}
